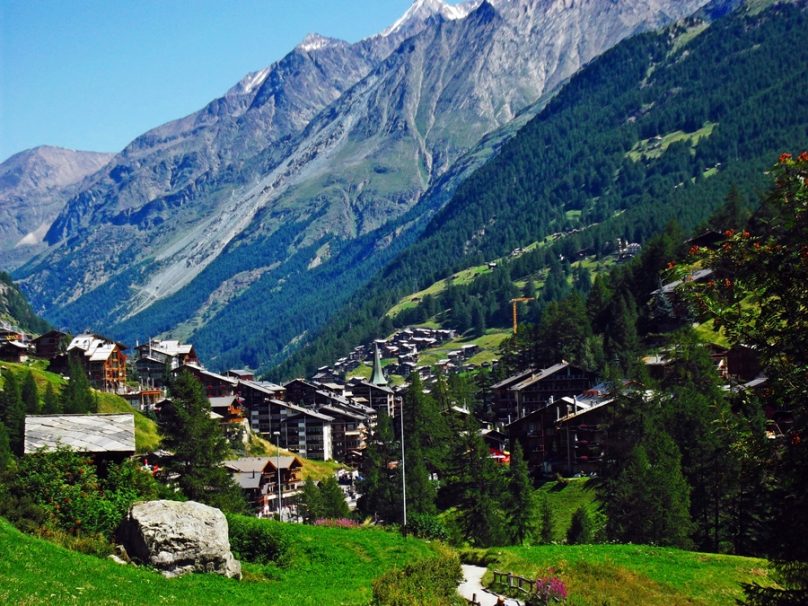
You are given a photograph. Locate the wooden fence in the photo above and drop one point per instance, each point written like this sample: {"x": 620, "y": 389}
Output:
{"x": 512, "y": 581}
{"x": 473, "y": 601}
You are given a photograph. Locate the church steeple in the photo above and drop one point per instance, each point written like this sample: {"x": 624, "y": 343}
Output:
{"x": 378, "y": 375}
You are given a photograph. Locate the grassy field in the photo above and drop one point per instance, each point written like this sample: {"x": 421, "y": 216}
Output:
{"x": 329, "y": 566}
{"x": 597, "y": 575}
{"x": 564, "y": 498}
{"x": 649, "y": 148}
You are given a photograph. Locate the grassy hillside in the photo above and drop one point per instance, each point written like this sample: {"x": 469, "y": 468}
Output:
{"x": 564, "y": 498}
{"x": 329, "y": 566}
{"x": 613, "y": 575}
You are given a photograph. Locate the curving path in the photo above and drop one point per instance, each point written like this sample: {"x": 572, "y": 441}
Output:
{"x": 472, "y": 584}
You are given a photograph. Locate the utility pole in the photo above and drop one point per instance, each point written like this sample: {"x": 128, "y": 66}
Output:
{"x": 403, "y": 466}
{"x": 514, "y": 302}
{"x": 277, "y": 435}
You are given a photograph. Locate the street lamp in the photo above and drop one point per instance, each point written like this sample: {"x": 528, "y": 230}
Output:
{"x": 403, "y": 474}
{"x": 277, "y": 435}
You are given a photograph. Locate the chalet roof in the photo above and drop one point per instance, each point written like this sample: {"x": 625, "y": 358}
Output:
{"x": 170, "y": 348}
{"x": 310, "y": 413}
{"x": 258, "y": 464}
{"x": 695, "y": 276}
{"x": 240, "y": 373}
{"x": 95, "y": 347}
{"x": 513, "y": 378}
{"x": 222, "y": 401}
{"x": 342, "y": 412}
{"x": 22, "y": 347}
{"x": 383, "y": 388}
{"x": 540, "y": 376}
{"x": 263, "y": 386}
{"x": 207, "y": 373}
{"x": 50, "y": 333}
{"x": 247, "y": 481}
{"x": 83, "y": 433}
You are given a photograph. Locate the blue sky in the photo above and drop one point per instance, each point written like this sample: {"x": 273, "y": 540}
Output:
{"x": 94, "y": 74}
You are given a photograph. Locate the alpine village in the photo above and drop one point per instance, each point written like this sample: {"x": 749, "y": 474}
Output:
{"x": 505, "y": 304}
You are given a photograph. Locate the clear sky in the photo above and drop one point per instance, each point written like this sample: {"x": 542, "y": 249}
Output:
{"x": 94, "y": 74}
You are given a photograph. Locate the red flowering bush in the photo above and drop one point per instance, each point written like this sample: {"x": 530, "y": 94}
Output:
{"x": 547, "y": 590}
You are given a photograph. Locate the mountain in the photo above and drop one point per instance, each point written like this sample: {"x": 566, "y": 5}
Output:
{"x": 660, "y": 128}
{"x": 282, "y": 198}
{"x": 34, "y": 186}
{"x": 15, "y": 311}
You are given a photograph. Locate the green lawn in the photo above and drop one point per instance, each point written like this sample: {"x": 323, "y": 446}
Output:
{"x": 634, "y": 574}
{"x": 564, "y": 498}
{"x": 330, "y": 566}
{"x": 648, "y": 148}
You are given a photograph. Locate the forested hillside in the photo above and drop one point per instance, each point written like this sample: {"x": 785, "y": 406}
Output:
{"x": 661, "y": 128}
{"x": 14, "y": 307}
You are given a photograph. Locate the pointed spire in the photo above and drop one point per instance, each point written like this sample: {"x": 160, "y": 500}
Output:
{"x": 378, "y": 375}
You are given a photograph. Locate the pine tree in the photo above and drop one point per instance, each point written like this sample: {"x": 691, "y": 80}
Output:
{"x": 581, "y": 530}
{"x": 380, "y": 486}
{"x": 521, "y": 504}
{"x": 333, "y": 499}
{"x": 478, "y": 487}
{"x": 199, "y": 446}
{"x": 30, "y": 394}
{"x": 12, "y": 411}
{"x": 310, "y": 502}
{"x": 5, "y": 448}
{"x": 51, "y": 405}
{"x": 77, "y": 396}
{"x": 650, "y": 499}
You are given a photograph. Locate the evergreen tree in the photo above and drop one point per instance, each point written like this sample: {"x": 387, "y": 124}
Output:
{"x": 5, "y": 448}
{"x": 547, "y": 522}
{"x": 30, "y": 394}
{"x": 581, "y": 530}
{"x": 477, "y": 320}
{"x": 12, "y": 411}
{"x": 51, "y": 404}
{"x": 380, "y": 486}
{"x": 199, "y": 446}
{"x": 649, "y": 502}
{"x": 478, "y": 488}
{"x": 333, "y": 499}
{"x": 521, "y": 504}
{"x": 310, "y": 502}
{"x": 77, "y": 396}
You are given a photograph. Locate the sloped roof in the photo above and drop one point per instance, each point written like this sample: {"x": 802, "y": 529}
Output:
{"x": 513, "y": 378}
{"x": 535, "y": 378}
{"x": 83, "y": 433}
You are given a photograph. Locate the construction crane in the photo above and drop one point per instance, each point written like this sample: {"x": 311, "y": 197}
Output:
{"x": 514, "y": 302}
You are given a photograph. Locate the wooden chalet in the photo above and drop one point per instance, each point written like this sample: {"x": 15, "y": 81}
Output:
{"x": 102, "y": 359}
{"x": 50, "y": 344}
{"x": 13, "y": 351}
{"x": 156, "y": 359}
{"x": 258, "y": 479}
{"x": 214, "y": 384}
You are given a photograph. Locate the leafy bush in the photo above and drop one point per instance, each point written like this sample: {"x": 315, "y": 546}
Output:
{"x": 547, "y": 590}
{"x": 431, "y": 582}
{"x": 259, "y": 541}
{"x": 426, "y": 526}
{"x": 61, "y": 491}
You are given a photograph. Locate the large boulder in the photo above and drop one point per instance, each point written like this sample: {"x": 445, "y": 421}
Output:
{"x": 178, "y": 538}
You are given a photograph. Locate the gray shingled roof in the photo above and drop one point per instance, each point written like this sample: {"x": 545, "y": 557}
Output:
{"x": 83, "y": 433}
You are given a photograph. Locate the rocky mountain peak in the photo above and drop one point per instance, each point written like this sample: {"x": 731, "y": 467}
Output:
{"x": 423, "y": 10}
{"x": 315, "y": 41}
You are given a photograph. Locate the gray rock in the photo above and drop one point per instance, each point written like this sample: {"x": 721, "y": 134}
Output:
{"x": 178, "y": 538}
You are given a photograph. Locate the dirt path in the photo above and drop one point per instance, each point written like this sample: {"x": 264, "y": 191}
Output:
{"x": 472, "y": 585}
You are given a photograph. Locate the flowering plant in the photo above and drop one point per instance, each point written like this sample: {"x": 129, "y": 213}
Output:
{"x": 336, "y": 522}
{"x": 547, "y": 590}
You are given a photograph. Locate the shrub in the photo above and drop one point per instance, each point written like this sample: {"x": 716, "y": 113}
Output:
{"x": 431, "y": 582}
{"x": 259, "y": 541}
{"x": 336, "y": 522}
{"x": 581, "y": 530}
{"x": 426, "y": 526}
{"x": 547, "y": 590}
